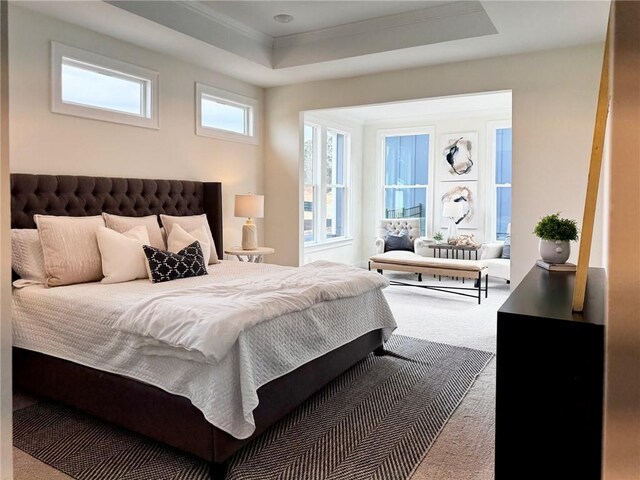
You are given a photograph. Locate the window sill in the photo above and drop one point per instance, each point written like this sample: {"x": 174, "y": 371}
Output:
{"x": 328, "y": 245}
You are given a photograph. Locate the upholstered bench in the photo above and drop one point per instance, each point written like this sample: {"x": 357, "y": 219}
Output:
{"x": 400, "y": 261}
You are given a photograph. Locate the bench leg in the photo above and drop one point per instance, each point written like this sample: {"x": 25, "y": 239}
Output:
{"x": 486, "y": 286}
{"x": 380, "y": 271}
{"x": 479, "y": 283}
{"x": 419, "y": 277}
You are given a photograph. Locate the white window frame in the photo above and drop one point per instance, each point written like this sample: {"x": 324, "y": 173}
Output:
{"x": 320, "y": 184}
{"x": 492, "y": 217}
{"x": 149, "y": 118}
{"x": 430, "y": 210}
{"x": 251, "y": 105}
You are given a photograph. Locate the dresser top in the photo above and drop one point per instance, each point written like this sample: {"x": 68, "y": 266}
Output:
{"x": 550, "y": 294}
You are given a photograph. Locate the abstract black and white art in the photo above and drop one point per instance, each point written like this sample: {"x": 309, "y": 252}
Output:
{"x": 465, "y": 193}
{"x": 458, "y": 157}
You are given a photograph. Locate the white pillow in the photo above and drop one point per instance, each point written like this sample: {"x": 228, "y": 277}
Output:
{"x": 179, "y": 239}
{"x": 70, "y": 249}
{"x": 123, "y": 258}
{"x": 124, "y": 224}
{"x": 27, "y": 259}
{"x": 190, "y": 223}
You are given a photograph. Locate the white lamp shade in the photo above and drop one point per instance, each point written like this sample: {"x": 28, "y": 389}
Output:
{"x": 452, "y": 209}
{"x": 249, "y": 206}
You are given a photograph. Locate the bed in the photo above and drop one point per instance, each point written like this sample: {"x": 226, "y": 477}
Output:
{"x": 53, "y": 359}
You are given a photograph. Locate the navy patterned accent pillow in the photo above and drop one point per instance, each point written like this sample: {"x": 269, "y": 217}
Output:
{"x": 165, "y": 266}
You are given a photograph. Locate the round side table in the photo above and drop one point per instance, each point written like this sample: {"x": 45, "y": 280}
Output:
{"x": 255, "y": 256}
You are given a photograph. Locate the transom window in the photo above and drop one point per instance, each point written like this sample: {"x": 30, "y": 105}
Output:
{"x": 89, "y": 85}
{"x": 326, "y": 184}
{"x": 225, "y": 115}
{"x": 406, "y": 177}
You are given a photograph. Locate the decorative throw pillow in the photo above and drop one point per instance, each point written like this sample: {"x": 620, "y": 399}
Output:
{"x": 164, "y": 266}
{"x": 190, "y": 223}
{"x": 398, "y": 241}
{"x": 123, "y": 224}
{"x": 26, "y": 257}
{"x": 179, "y": 239}
{"x": 123, "y": 259}
{"x": 506, "y": 248}
{"x": 70, "y": 249}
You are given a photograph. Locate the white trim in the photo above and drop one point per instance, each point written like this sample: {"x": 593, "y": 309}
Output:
{"x": 381, "y": 134}
{"x": 149, "y": 80}
{"x": 250, "y": 104}
{"x": 490, "y": 215}
{"x": 328, "y": 245}
{"x": 228, "y": 22}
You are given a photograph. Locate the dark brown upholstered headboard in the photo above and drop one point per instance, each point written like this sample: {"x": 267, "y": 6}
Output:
{"x": 134, "y": 197}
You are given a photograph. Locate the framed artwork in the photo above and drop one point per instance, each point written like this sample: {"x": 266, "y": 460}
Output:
{"x": 457, "y": 158}
{"x": 465, "y": 193}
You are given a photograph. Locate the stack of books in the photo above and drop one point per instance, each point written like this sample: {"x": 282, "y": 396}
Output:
{"x": 557, "y": 267}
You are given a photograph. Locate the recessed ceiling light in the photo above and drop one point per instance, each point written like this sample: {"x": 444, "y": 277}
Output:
{"x": 283, "y": 18}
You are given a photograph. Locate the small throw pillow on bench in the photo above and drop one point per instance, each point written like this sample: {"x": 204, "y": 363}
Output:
{"x": 165, "y": 266}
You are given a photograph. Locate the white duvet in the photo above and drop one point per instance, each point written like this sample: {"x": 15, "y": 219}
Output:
{"x": 76, "y": 323}
{"x": 203, "y": 323}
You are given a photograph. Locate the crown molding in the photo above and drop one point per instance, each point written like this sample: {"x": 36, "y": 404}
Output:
{"x": 225, "y": 21}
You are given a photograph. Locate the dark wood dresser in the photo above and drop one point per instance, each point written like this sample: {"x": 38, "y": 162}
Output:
{"x": 550, "y": 373}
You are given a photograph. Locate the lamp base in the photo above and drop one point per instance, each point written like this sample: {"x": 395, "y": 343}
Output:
{"x": 452, "y": 231}
{"x": 249, "y": 236}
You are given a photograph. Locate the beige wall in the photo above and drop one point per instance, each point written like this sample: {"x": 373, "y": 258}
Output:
{"x": 6, "y": 450}
{"x": 554, "y": 97}
{"x": 44, "y": 142}
{"x": 622, "y": 417}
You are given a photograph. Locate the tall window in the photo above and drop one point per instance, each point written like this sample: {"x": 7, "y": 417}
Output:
{"x": 326, "y": 158}
{"x": 503, "y": 181}
{"x": 406, "y": 177}
{"x": 89, "y": 85}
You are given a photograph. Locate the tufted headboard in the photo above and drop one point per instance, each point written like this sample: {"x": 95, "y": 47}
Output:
{"x": 78, "y": 196}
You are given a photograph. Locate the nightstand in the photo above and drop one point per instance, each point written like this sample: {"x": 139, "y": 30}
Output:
{"x": 255, "y": 256}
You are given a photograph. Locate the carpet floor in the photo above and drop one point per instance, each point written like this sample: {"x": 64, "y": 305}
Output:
{"x": 376, "y": 421}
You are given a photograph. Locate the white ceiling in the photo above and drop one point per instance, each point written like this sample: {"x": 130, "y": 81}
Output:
{"x": 441, "y": 33}
{"x": 468, "y": 105}
{"x": 309, "y": 16}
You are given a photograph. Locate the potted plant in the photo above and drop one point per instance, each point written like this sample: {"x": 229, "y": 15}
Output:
{"x": 438, "y": 237}
{"x": 555, "y": 233}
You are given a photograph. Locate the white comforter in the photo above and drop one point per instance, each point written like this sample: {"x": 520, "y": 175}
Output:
{"x": 76, "y": 323}
{"x": 203, "y": 323}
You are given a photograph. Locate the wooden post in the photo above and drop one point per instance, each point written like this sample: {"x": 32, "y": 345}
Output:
{"x": 595, "y": 166}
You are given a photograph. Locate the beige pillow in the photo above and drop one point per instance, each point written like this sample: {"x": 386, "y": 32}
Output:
{"x": 179, "y": 239}
{"x": 70, "y": 249}
{"x": 123, "y": 257}
{"x": 26, "y": 257}
{"x": 190, "y": 223}
{"x": 123, "y": 224}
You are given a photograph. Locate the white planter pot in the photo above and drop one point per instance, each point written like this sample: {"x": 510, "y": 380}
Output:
{"x": 555, "y": 251}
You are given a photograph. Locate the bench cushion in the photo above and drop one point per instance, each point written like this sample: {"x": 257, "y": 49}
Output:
{"x": 412, "y": 260}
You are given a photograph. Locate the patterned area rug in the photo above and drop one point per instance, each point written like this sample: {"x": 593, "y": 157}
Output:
{"x": 376, "y": 421}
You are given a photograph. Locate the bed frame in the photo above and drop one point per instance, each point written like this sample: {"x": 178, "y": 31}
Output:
{"x": 137, "y": 406}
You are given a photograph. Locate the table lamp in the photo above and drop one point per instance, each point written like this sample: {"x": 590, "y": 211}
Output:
{"x": 453, "y": 211}
{"x": 249, "y": 206}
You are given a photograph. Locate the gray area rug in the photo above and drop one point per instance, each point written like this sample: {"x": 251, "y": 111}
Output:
{"x": 375, "y": 421}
